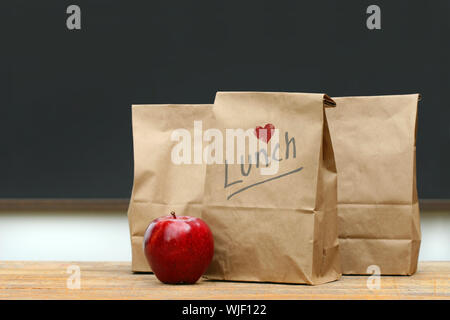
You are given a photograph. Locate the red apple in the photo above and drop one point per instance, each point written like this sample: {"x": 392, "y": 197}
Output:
{"x": 178, "y": 249}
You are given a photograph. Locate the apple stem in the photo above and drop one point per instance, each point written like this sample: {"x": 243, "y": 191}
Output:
{"x": 173, "y": 214}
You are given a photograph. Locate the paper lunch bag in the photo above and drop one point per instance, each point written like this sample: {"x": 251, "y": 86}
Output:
{"x": 277, "y": 225}
{"x": 374, "y": 140}
{"x": 160, "y": 185}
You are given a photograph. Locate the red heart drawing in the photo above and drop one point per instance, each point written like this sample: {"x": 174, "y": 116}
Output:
{"x": 265, "y": 134}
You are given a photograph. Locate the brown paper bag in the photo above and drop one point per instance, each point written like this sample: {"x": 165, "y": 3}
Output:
{"x": 374, "y": 140}
{"x": 160, "y": 185}
{"x": 273, "y": 223}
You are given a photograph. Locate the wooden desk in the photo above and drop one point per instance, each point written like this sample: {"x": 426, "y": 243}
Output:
{"x": 114, "y": 280}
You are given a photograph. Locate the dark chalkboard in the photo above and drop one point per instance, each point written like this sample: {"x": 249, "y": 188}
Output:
{"x": 65, "y": 95}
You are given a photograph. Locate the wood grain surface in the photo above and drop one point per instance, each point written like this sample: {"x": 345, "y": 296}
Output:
{"x": 114, "y": 280}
